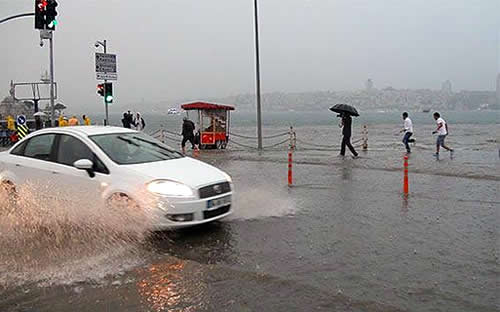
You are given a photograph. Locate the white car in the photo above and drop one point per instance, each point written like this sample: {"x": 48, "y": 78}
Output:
{"x": 107, "y": 163}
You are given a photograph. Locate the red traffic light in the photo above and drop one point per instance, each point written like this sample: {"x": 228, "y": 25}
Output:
{"x": 100, "y": 89}
{"x": 41, "y": 4}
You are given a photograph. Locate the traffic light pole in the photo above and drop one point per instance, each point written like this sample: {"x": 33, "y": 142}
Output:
{"x": 16, "y": 16}
{"x": 106, "y": 121}
{"x": 52, "y": 111}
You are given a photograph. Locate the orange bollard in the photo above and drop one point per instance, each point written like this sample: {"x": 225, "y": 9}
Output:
{"x": 290, "y": 178}
{"x": 405, "y": 179}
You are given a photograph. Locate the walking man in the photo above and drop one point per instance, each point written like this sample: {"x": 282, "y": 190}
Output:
{"x": 442, "y": 132}
{"x": 187, "y": 133}
{"x": 346, "y": 125}
{"x": 408, "y": 130}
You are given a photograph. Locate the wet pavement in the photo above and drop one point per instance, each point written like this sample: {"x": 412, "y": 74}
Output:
{"x": 343, "y": 238}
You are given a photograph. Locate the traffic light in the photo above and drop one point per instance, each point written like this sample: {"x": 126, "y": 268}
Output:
{"x": 40, "y": 9}
{"x": 50, "y": 14}
{"x": 45, "y": 14}
{"x": 108, "y": 92}
{"x": 100, "y": 89}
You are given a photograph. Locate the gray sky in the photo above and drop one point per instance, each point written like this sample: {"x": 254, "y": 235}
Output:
{"x": 174, "y": 49}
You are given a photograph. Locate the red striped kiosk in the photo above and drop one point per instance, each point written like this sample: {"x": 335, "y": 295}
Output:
{"x": 213, "y": 123}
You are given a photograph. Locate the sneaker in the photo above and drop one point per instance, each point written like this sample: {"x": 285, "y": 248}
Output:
{"x": 340, "y": 156}
{"x": 355, "y": 156}
{"x": 436, "y": 155}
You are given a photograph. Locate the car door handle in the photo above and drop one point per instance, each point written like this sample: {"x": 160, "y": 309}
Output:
{"x": 55, "y": 172}
{"x": 18, "y": 165}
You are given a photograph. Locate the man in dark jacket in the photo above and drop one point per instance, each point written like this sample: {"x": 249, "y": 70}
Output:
{"x": 346, "y": 135}
{"x": 187, "y": 133}
{"x": 126, "y": 121}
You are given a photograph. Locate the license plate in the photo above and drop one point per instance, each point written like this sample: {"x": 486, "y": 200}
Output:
{"x": 213, "y": 203}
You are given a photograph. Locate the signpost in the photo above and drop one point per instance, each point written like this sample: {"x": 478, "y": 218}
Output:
{"x": 22, "y": 129}
{"x": 106, "y": 76}
{"x": 105, "y": 69}
{"x": 105, "y": 66}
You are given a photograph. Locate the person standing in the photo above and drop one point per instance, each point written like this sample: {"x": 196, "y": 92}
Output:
{"x": 86, "y": 120}
{"x": 126, "y": 121}
{"x": 442, "y": 132}
{"x": 408, "y": 130}
{"x": 139, "y": 122}
{"x": 73, "y": 121}
{"x": 187, "y": 133}
{"x": 64, "y": 122}
{"x": 346, "y": 125}
{"x": 38, "y": 123}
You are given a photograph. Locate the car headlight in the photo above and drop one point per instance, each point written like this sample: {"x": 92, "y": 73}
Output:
{"x": 228, "y": 177}
{"x": 170, "y": 188}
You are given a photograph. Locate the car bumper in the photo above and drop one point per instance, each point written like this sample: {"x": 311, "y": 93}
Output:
{"x": 195, "y": 212}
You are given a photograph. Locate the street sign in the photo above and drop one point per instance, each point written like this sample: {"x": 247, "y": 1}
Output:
{"x": 105, "y": 63}
{"x": 21, "y": 120}
{"x": 107, "y": 76}
{"x": 22, "y": 131}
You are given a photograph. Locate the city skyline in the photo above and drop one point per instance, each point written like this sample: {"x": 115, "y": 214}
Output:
{"x": 187, "y": 53}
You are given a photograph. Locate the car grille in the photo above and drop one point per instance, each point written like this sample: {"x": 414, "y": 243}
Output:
{"x": 216, "y": 212}
{"x": 215, "y": 189}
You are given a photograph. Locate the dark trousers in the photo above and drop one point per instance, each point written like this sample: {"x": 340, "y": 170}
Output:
{"x": 187, "y": 138}
{"x": 406, "y": 140}
{"x": 346, "y": 140}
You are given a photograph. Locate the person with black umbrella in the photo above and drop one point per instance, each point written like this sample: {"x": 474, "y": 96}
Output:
{"x": 345, "y": 112}
{"x": 346, "y": 125}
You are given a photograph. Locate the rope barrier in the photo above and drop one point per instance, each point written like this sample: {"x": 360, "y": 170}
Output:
{"x": 264, "y": 147}
{"x": 277, "y": 144}
{"x": 163, "y": 134}
{"x": 173, "y": 133}
{"x": 242, "y": 145}
{"x": 255, "y": 138}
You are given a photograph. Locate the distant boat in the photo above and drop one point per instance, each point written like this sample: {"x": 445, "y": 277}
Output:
{"x": 426, "y": 110}
{"x": 173, "y": 111}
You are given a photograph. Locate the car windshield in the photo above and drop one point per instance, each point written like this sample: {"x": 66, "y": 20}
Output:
{"x": 134, "y": 148}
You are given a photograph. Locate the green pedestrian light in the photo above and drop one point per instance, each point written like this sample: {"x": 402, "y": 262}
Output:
{"x": 53, "y": 23}
{"x": 50, "y": 14}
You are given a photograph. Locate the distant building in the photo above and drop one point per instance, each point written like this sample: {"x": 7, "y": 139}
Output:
{"x": 369, "y": 85}
{"x": 446, "y": 87}
{"x": 498, "y": 89}
{"x": 11, "y": 106}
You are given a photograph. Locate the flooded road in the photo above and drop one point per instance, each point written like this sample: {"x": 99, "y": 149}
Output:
{"x": 342, "y": 239}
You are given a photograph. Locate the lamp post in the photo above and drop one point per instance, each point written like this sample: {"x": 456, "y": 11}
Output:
{"x": 103, "y": 44}
{"x": 257, "y": 74}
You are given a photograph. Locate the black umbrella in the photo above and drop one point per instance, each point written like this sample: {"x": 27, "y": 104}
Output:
{"x": 344, "y": 108}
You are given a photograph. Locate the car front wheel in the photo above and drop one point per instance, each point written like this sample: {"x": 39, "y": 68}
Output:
{"x": 126, "y": 216}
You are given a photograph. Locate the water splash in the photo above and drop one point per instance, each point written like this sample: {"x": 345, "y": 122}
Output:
{"x": 261, "y": 202}
{"x": 50, "y": 241}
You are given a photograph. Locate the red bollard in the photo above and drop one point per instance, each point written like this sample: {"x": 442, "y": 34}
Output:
{"x": 290, "y": 178}
{"x": 405, "y": 179}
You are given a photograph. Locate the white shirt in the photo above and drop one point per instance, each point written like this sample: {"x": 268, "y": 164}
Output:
{"x": 408, "y": 125}
{"x": 442, "y": 130}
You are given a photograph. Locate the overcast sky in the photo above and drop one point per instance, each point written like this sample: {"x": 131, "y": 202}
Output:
{"x": 176, "y": 49}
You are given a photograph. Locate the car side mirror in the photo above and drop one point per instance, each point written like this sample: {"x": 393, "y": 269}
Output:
{"x": 85, "y": 164}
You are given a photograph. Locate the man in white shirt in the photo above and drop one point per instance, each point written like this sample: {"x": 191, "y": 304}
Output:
{"x": 442, "y": 131}
{"x": 408, "y": 130}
